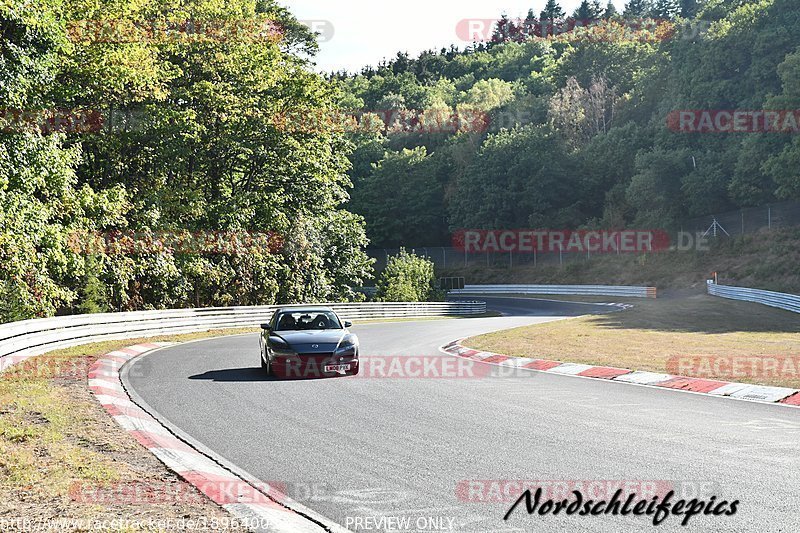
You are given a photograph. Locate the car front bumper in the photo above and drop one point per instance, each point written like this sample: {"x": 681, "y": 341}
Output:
{"x": 313, "y": 366}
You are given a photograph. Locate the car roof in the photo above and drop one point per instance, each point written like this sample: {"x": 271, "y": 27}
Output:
{"x": 301, "y": 308}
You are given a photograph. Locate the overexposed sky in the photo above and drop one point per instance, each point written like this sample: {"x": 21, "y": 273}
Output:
{"x": 366, "y": 31}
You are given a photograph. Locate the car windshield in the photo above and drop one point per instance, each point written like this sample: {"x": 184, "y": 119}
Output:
{"x": 307, "y": 320}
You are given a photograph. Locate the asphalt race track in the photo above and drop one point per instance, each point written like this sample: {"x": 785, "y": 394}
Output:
{"x": 358, "y": 447}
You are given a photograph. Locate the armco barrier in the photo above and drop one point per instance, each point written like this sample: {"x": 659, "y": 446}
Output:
{"x": 789, "y": 302}
{"x": 19, "y": 340}
{"x": 566, "y": 290}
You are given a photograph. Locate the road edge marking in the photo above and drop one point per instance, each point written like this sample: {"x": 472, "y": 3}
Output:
{"x": 761, "y": 394}
{"x": 189, "y": 459}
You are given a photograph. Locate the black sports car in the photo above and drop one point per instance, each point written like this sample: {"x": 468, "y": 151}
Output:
{"x": 308, "y": 342}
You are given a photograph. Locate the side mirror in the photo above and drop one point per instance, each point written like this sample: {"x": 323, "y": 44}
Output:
{"x": 348, "y": 324}
{"x": 266, "y": 327}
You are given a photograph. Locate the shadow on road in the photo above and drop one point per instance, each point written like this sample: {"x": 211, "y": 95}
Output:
{"x": 234, "y": 375}
{"x": 254, "y": 374}
{"x": 702, "y": 314}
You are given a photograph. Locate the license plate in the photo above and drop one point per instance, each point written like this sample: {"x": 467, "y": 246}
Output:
{"x": 337, "y": 368}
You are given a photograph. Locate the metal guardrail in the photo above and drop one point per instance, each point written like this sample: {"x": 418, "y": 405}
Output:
{"x": 19, "y": 340}
{"x": 567, "y": 290}
{"x": 789, "y": 302}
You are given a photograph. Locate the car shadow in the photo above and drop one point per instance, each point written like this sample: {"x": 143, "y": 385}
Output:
{"x": 253, "y": 374}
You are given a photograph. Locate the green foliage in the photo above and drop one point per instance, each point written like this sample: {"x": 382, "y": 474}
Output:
{"x": 211, "y": 135}
{"x": 408, "y": 278}
{"x": 403, "y": 198}
{"x": 93, "y": 295}
{"x": 666, "y": 9}
{"x": 588, "y": 10}
{"x": 638, "y": 8}
{"x": 510, "y": 185}
{"x": 610, "y": 11}
{"x": 552, "y": 11}
{"x": 578, "y": 133}
{"x": 656, "y": 184}
{"x": 192, "y": 141}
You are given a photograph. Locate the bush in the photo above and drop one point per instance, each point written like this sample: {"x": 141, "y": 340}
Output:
{"x": 408, "y": 278}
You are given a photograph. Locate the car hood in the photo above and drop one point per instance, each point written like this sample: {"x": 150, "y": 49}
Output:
{"x": 313, "y": 341}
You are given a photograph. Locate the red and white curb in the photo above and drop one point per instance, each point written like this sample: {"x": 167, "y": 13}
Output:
{"x": 260, "y": 506}
{"x": 739, "y": 391}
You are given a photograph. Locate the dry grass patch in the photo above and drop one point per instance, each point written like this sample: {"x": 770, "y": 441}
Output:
{"x": 54, "y": 436}
{"x": 654, "y": 334}
{"x": 763, "y": 260}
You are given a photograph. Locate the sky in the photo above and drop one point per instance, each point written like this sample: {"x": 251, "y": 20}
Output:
{"x": 362, "y": 32}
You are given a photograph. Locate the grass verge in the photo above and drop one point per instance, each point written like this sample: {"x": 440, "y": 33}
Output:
{"x": 699, "y": 336}
{"x": 55, "y": 438}
{"x": 764, "y": 260}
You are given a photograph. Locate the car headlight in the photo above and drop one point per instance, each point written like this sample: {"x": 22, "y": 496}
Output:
{"x": 347, "y": 348}
{"x": 280, "y": 347}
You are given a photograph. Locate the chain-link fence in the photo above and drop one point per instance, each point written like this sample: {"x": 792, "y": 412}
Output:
{"x": 445, "y": 258}
{"x": 731, "y": 223}
{"x": 744, "y": 221}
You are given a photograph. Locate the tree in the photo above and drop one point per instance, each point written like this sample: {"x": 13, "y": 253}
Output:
{"x": 487, "y": 95}
{"x": 408, "y": 278}
{"x": 588, "y": 11}
{"x": 552, "y": 12}
{"x": 655, "y": 190}
{"x": 42, "y": 204}
{"x": 637, "y": 9}
{"x": 605, "y": 166}
{"x": 782, "y": 166}
{"x": 522, "y": 177}
{"x": 93, "y": 296}
{"x": 504, "y": 30}
{"x": 593, "y": 149}
{"x": 235, "y": 135}
{"x": 689, "y": 8}
{"x": 403, "y": 199}
{"x": 611, "y": 10}
{"x": 529, "y": 25}
{"x": 666, "y": 9}
{"x": 580, "y": 114}
{"x": 201, "y": 133}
